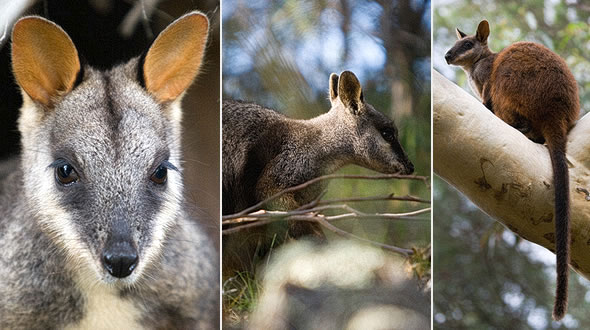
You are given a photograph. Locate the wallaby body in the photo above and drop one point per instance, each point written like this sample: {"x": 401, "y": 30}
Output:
{"x": 530, "y": 88}
{"x": 93, "y": 226}
{"x": 265, "y": 152}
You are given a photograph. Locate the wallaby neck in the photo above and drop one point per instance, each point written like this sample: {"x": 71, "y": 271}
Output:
{"x": 480, "y": 71}
{"x": 326, "y": 140}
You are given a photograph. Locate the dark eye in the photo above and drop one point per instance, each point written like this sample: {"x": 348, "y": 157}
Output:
{"x": 65, "y": 174}
{"x": 387, "y": 135}
{"x": 468, "y": 45}
{"x": 160, "y": 175}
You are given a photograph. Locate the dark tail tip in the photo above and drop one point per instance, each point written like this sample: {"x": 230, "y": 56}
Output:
{"x": 561, "y": 295}
{"x": 560, "y": 308}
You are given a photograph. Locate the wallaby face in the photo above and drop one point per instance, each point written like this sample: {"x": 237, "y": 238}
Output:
{"x": 374, "y": 137}
{"x": 101, "y": 154}
{"x": 469, "y": 49}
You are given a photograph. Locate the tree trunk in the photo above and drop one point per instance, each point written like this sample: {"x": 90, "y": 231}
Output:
{"x": 505, "y": 174}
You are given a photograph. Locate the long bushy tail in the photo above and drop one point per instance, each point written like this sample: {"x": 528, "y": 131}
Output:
{"x": 557, "y": 145}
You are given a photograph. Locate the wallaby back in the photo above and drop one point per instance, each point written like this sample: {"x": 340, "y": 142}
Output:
{"x": 531, "y": 88}
{"x": 96, "y": 236}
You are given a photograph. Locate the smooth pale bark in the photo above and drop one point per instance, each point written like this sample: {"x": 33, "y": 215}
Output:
{"x": 505, "y": 174}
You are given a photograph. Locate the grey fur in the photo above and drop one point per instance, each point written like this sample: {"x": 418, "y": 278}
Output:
{"x": 115, "y": 135}
{"x": 265, "y": 152}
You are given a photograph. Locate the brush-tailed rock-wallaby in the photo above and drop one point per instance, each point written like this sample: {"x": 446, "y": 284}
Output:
{"x": 531, "y": 88}
{"x": 264, "y": 152}
{"x": 93, "y": 228}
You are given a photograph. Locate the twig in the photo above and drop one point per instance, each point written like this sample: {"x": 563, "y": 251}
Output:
{"x": 391, "y": 197}
{"x": 288, "y": 215}
{"x": 407, "y": 215}
{"x": 242, "y": 227}
{"x": 326, "y": 224}
{"x": 255, "y": 216}
{"x": 266, "y": 217}
{"x": 322, "y": 178}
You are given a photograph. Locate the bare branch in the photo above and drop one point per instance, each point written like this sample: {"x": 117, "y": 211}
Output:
{"x": 324, "y": 221}
{"x": 391, "y": 197}
{"x": 312, "y": 211}
{"x": 505, "y": 174}
{"x": 323, "y": 178}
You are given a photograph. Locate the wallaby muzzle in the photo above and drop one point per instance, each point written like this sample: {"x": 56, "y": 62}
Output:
{"x": 448, "y": 57}
{"x": 119, "y": 255}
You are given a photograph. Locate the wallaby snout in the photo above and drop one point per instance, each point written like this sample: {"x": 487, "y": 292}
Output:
{"x": 119, "y": 258}
{"x": 448, "y": 57}
{"x": 402, "y": 166}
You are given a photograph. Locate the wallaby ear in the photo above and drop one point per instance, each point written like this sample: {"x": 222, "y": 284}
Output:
{"x": 350, "y": 91}
{"x": 173, "y": 60}
{"x": 333, "y": 87}
{"x": 460, "y": 34}
{"x": 483, "y": 31}
{"x": 44, "y": 59}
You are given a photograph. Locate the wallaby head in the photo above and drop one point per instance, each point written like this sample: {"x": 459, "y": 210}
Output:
{"x": 470, "y": 48}
{"x": 101, "y": 155}
{"x": 374, "y": 137}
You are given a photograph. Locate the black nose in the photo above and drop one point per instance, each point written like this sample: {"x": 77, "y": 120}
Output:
{"x": 119, "y": 258}
{"x": 448, "y": 58}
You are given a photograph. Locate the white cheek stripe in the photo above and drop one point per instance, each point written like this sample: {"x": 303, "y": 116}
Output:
{"x": 52, "y": 217}
{"x": 165, "y": 218}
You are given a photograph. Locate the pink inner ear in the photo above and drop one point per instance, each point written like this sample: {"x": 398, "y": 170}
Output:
{"x": 44, "y": 59}
{"x": 174, "y": 59}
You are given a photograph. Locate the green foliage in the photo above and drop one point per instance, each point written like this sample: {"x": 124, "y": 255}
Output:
{"x": 240, "y": 293}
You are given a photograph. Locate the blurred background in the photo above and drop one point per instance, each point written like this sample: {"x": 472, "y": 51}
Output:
{"x": 280, "y": 54}
{"x": 486, "y": 277}
{"x": 109, "y": 32}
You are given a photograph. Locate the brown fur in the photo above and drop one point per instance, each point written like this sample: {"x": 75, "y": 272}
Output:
{"x": 531, "y": 88}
